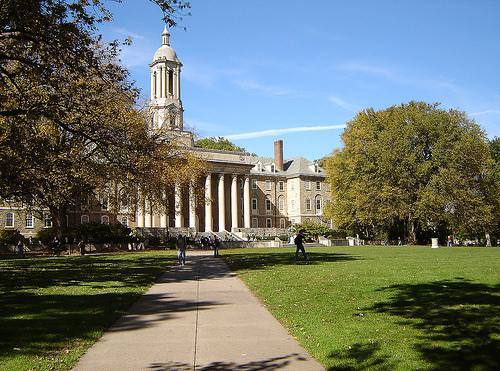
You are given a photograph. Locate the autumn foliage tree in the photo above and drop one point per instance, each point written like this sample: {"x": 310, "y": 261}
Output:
{"x": 69, "y": 124}
{"x": 412, "y": 168}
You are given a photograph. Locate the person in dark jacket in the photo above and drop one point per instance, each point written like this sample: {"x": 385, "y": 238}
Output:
{"x": 299, "y": 243}
{"x": 181, "y": 249}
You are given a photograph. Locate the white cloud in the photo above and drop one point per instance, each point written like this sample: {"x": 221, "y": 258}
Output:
{"x": 367, "y": 69}
{"x": 199, "y": 77}
{"x": 432, "y": 83}
{"x": 263, "y": 88}
{"x": 206, "y": 76}
{"x": 273, "y": 132}
{"x": 204, "y": 127}
{"x": 127, "y": 33}
{"x": 486, "y": 112}
{"x": 342, "y": 103}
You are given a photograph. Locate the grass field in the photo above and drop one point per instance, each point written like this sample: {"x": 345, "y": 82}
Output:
{"x": 53, "y": 309}
{"x": 384, "y": 308}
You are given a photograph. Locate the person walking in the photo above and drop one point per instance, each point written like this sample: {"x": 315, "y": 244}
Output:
{"x": 81, "y": 246}
{"x": 181, "y": 249}
{"x": 450, "y": 241}
{"x": 216, "y": 246}
{"x": 299, "y": 243}
{"x": 20, "y": 249}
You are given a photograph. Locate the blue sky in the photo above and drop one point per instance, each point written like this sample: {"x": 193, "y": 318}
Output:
{"x": 261, "y": 70}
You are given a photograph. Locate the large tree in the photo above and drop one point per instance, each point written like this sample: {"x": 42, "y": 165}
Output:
{"x": 69, "y": 125}
{"x": 413, "y": 166}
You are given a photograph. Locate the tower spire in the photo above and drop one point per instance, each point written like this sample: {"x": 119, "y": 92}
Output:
{"x": 165, "y": 36}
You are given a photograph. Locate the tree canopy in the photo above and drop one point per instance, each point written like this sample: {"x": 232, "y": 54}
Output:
{"x": 412, "y": 170}
{"x": 220, "y": 143}
{"x": 69, "y": 124}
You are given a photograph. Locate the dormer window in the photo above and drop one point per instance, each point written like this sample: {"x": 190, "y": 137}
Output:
{"x": 273, "y": 168}
{"x": 259, "y": 166}
{"x": 316, "y": 168}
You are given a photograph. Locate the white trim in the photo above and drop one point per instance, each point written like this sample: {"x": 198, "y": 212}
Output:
{"x": 13, "y": 220}
{"x": 31, "y": 219}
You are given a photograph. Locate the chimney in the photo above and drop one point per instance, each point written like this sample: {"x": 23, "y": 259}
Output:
{"x": 278, "y": 154}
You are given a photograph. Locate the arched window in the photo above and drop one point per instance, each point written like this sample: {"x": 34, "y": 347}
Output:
{"x": 9, "y": 220}
{"x": 170, "y": 82}
{"x": 104, "y": 202}
{"x": 268, "y": 204}
{"x": 104, "y": 219}
{"x": 319, "y": 204}
{"x": 84, "y": 219}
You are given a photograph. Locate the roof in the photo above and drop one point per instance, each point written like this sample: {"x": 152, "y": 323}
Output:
{"x": 298, "y": 166}
{"x": 165, "y": 52}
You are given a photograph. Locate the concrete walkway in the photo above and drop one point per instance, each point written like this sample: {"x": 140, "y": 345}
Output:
{"x": 197, "y": 317}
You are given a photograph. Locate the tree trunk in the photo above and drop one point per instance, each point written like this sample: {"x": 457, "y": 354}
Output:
{"x": 412, "y": 230}
{"x": 57, "y": 215}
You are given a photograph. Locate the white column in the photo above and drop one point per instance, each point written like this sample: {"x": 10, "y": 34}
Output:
{"x": 163, "y": 220}
{"x": 160, "y": 81}
{"x": 165, "y": 76}
{"x": 155, "y": 218}
{"x": 178, "y": 207}
{"x": 177, "y": 83}
{"x": 222, "y": 204}
{"x": 246, "y": 202}
{"x": 140, "y": 213}
{"x": 208, "y": 204}
{"x": 192, "y": 207}
{"x": 153, "y": 82}
{"x": 163, "y": 211}
{"x": 234, "y": 201}
{"x": 147, "y": 214}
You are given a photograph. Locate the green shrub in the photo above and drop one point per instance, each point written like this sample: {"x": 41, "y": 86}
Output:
{"x": 45, "y": 235}
{"x": 10, "y": 237}
{"x": 91, "y": 232}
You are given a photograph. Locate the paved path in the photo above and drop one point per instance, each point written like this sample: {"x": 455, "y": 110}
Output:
{"x": 197, "y": 317}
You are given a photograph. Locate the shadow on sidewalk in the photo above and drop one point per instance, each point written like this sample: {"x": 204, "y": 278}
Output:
{"x": 153, "y": 308}
{"x": 197, "y": 267}
{"x": 274, "y": 363}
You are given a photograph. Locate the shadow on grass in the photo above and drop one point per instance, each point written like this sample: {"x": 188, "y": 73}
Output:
{"x": 459, "y": 319}
{"x": 264, "y": 260}
{"x": 47, "y": 305}
{"x": 37, "y": 273}
{"x": 274, "y": 363}
{"x": 362, "y": 356}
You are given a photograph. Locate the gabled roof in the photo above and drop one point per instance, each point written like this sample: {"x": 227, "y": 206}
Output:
{"x": 291, "y": 167}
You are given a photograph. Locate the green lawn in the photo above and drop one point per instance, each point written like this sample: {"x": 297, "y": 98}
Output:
{"x": 383, "y": 308}
{"x": 53, "y": 309}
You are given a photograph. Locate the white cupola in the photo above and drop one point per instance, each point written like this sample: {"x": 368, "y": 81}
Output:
{"x": 165, "y": 72}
